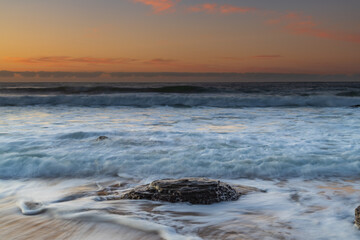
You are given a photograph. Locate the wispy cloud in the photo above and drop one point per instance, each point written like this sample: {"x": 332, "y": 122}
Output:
{"x": 159, "y": 5}
{"x": 234, "y": 9}
{"x": 42, "y": 74}
{"x": 232, "y": 76}
{"x": 6, "y": 74}
{"x": 223, "y": 9}
{"x": 246, "y": 58}
{"x": 68, "y": 74}
{"x": 160, "y": 61}
{"x": 267, "y": 56}
{"x": 67, "y": 59}
{"x": 292, "y": 22}
{"x": 300, "y": 24}
{"x": 207, "y": 7}
{"x": 92, "y": 60}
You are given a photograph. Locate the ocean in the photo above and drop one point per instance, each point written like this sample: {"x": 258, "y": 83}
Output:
{"x": 299, "y": 142}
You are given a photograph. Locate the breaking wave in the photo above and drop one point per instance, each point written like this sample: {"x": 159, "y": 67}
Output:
{"x": 108, "y": 159}
{"x": 104, "y": 89}
{"x": 181, "y": 100}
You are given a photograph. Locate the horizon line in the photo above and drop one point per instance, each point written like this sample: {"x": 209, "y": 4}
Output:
{"x": 100, "y": 76}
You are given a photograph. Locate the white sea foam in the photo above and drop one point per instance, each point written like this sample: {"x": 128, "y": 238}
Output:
{"x": 288, "y": 138}
{"x": 169, "y": 142}
{"x": 292, "y": 209}
{"x": 163, "y": 231}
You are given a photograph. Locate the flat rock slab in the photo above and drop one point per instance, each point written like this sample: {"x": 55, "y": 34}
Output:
{"x": 191, "y": 190}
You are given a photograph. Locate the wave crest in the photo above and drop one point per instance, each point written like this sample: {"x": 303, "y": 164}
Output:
{"x": 179, "y": 100}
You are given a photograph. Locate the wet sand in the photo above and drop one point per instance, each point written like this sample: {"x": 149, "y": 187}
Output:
{"x": 292, "y": 210}
{"x": 14, "y": 225}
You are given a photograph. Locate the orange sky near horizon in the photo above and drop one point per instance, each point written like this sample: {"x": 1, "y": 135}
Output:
{"x": 180, "y": 36}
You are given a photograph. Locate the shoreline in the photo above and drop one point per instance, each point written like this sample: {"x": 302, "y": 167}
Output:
{"x": 284, "y": 212}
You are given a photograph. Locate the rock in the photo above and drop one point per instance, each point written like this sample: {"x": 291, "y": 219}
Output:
{"x": 102, "y": 138}
{"x": 357, "y": 216}
{"x": 356, "y": 106}
{"x": 31, "y": 208}
{"x": 191, "y": 190}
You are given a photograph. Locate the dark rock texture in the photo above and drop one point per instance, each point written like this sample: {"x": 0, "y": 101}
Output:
{"x": 356, "y": 106}
{"x": 191, "y": 190}
{"x": 357, "y": 216}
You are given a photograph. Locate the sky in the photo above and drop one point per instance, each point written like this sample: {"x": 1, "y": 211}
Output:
{"x": 202, "y": 36}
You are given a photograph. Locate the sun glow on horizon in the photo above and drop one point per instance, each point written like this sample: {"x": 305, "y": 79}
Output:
{"x": 180, "y": 36}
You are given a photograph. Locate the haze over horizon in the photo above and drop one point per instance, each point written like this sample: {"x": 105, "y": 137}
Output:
{"x": 95, "y": 38}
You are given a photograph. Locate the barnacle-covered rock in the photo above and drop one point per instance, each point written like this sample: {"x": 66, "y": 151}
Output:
{"x": 191, "y": 190}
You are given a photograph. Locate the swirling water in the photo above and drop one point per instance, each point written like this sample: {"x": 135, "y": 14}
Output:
{"x": 298, "y": 141}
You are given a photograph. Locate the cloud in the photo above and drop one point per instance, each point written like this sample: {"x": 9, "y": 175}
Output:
{"x": 299, "y": 24}
{"x": 223, "y": 9}
{"x": 201, "y": 76}
{"x": 264, "y": 56}
{"x": 27, "y": 74}
{"x": 158, "y": 5}
{"x": 56, "y": 59}
{"x": 171, "y": 74}
{"x": 67, "y": 59}
{"x": 160, "y": 61}
{"x": 267, "y": 56}
{"x": 6, "y": 74}
{"x": 103, "y": 60}
{"x": 207, "y": 7}
{"x": 292, "y": 22}
{"x": 69, "y": 74}
{"x": 42, "y": 74}
{"x": 235, "y": 9}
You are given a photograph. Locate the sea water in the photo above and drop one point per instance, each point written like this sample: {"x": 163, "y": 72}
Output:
{"x": 298, "y": 141}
